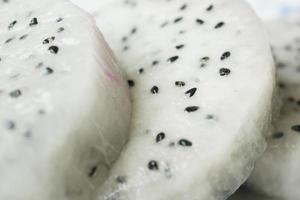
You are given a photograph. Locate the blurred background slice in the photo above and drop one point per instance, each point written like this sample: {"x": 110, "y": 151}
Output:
{"x": 266, "y": 9}
{"x": 277, "y": 9}
{"x": 244, "y": 194}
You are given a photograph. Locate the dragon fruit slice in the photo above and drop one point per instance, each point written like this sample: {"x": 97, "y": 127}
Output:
{"x": 202, "y": 79}
{"x": 277, "y": 172}
{"x": 64, "y": 108}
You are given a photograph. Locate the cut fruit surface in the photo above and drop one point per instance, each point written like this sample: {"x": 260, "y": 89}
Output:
{"x": 64, "y": 106}
{"x": 202, "y": 81}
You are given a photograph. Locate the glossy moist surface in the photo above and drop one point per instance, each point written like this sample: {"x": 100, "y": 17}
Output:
{"x": 202, "y": 80}
{"x": 276, "y": 173}
{"x": 64, "y": 108}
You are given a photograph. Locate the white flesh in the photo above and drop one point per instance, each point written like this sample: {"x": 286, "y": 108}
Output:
{"x": 63, "y": 115}
{"x": 277, "y": 172}
{"x": 226, "y": 131}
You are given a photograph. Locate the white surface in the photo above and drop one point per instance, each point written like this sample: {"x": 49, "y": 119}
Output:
{"x": 277, "y": 172}
{"x": 266, "y": 9}
{"x": 90, "y": 5}
{"x": 72, "y": 108}
{"x": 224, "y": 148}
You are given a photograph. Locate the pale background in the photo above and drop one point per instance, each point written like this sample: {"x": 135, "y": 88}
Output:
{"x": 266, "y": 9}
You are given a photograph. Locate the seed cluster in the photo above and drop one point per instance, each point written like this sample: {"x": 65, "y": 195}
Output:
{"x": 17, "y": 93}
{"x": 126, "y": 38}
{"x": 293, "y": 102}
{"x": 174, "y": 60}
{"x": 153, "y": 165}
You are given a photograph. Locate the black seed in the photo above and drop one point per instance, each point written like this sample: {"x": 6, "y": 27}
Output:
{"x": 164, "y": 24}
{"x": 28, "y": 134}
{"x": 160, "y": 137}
{"x": 93, "y": 171}
{"x": 280, "y": 65}
{"x": 131, "y": 83}
{"x": 288, "y": 47}
{"x": 200, "y": 21}
{"x": 15, "y": 93}
{"x": 281, "y": 85}
{"x": 191, "y": 108}
{"x": 141, "y": 70}
{"x": 49, "y": 71}
{"x": 191, "y": 92}
{"x": 33, "y": 22}
{"x": 296, "y": 128}
{"x": 172, "y": 59}
{"x": 181, "y": 32}
{"x": 185, "y": 143}
{"x": 155, "y": 62}
{"x": 278, "y": 135}
{"x": 9, "y": 40}
{"x": 125, "y": 48}
{"x": 291, "y": 99}
{"x": 12, "y": 24}
{"x": 219, "y": 25}
{"x": 61, "y": 29}
{"x": 133, "y": 31}
{"x": 53, "y": 49}
{"x": 15, "y": 76}
{"x": 205, "y": 59}
{"x": 23, "y": 37}
{"x": 179, "y": 46}
{"x": 178, "y": 19}
{"x": 59, "y": 19}
{"x": 154, "y": 90}
{"x": 41, "y": 112}
{"x": 171, "y": 144}
{"x": 48, "y": 40}
{"x": 39, "y": 65}
{"x": 209, "y": 8}
{"x": 298, "y": 102}
{"x": 224, "y": 71}
{"x": 10, "y": 125}
{"x": 124, "y": 39}
{"x": 183, "y": 7}
{"x": 225, "y": 55}
{"x": 209, "y": 116}
{"x": 121, "y": 179}
{"x": 153, "y": 165}
{"x": 180, "y": 83}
